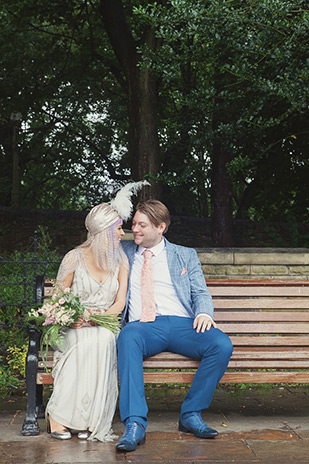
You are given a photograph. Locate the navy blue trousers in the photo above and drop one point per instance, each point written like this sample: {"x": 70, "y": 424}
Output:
{"x": 175, "y": 334}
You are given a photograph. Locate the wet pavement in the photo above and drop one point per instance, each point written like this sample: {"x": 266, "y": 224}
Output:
{"x": 256, "y": 425}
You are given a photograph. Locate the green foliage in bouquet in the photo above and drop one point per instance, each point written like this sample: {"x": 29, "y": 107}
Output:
{"x": 59, "y": 312}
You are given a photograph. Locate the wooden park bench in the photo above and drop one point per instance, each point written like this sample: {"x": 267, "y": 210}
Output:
{"x": 267, "y": 320}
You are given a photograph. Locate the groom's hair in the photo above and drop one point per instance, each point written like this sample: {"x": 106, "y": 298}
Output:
{"x": 156, "y": 212}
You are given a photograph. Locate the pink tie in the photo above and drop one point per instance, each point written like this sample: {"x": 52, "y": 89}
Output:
{"x": 147, "y": 291}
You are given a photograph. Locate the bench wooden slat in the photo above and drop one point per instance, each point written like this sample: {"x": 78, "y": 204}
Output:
{"x": 258, "y": 291}
{"x": 257, "y": 282}
{"x": 265, "y": 328}
{"x": 272, "y": 341}
{"x": 266, "y": 364}
{"x": 246, "y": 364}
{"x": 49, "y": 365}
{"x": 233, "y": 377}
{"x": 44, "y": 378}
{"x": 270, "y": 353}
{"x": 229, "y": 377}
{"x": 262, "y": 316}
{"x": 265, "y": 377}
{"x": 261, "y": 303}
{"x": 178, "y": 360}
{"x": 237, "y": 364}
{"x": 234, "y": 364}
{"x": 48, "y": 292}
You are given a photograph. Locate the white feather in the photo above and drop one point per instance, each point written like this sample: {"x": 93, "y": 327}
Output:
{"x": 122, "y": 202}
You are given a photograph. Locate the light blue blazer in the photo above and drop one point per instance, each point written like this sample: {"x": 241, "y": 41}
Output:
{"x": 186, "y": 275}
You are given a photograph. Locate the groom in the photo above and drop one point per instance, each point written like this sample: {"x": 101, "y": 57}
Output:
{"x": 168, "y": 308}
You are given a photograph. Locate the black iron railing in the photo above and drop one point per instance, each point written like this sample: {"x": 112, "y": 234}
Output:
{"x": 17, "y": 283}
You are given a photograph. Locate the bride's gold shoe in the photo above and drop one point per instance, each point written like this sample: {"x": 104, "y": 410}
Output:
{"x": 64, "y": 434}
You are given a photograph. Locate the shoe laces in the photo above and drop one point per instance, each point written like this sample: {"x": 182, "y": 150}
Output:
{"x": 132, "y": 427}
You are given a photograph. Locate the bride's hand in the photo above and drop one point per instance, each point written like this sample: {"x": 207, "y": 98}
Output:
{"x": 91, "y": 311}
{"x": 94, "y": 312}
{"x": 79, "y": 324}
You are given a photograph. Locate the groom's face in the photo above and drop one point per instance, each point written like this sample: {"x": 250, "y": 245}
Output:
{"x": 145, "y": 233}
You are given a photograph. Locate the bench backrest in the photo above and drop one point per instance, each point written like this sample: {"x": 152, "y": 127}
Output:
{"x": 263, "y": 310}
{"x": 268, "y": 322}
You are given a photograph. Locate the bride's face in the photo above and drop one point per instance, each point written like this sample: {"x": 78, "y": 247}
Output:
{"x": 119, "y": 232}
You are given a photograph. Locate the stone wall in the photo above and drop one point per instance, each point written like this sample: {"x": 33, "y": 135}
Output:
{"x": 252, "y": 263}
{"x": 255, "y": 263}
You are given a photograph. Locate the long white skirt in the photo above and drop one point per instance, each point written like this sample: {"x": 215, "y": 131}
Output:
{"x": 85, "y": 382}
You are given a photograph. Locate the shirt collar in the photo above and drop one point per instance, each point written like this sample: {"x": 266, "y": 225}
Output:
{"x": 156, "y": 250}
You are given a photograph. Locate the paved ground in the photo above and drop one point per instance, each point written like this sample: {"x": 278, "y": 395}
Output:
{"x": 257, "y": 425}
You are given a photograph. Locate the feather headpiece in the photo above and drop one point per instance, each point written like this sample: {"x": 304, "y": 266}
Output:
{"x": 106, "y": 214}
{"x": 122, "y": 202}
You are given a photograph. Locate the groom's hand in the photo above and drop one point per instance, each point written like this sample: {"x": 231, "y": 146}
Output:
{"x": 203, "y": 322}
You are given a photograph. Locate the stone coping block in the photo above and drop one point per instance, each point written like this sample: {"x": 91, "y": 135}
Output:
{"x": 299, "y": 270}
{"x": 272, "y": 270}
{"x": 225, "y": 270}
{"x": 216, "y": 257}
{"x": 254, "y": 256}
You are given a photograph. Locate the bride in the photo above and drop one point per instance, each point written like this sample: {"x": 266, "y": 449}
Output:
{"x": 85, "y": 371}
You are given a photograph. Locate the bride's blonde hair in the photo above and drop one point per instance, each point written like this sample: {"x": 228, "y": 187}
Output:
{"x": 107, "y": 251}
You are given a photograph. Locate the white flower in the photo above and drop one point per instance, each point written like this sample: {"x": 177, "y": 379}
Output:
{"x": 33, "y": 313}
{"x": 86, "y": 315}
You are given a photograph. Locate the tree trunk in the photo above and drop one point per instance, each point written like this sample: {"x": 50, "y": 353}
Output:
{"x": 222, "y": 199}
{"x": 221, "y": 182}
{"x": 143, "y": 142}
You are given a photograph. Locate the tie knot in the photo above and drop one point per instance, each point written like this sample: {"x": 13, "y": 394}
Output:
{"x": 147, "y": 254}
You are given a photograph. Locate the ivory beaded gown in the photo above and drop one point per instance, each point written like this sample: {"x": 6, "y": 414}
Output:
{"x": 85, "y": 372}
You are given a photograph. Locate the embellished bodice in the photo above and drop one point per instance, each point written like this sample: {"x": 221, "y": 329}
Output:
{"x": 95, "y": 295}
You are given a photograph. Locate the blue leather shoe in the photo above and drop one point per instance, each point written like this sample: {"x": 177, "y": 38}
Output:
{"x": 195, "y": 424}
{"x": 134, "y": 435}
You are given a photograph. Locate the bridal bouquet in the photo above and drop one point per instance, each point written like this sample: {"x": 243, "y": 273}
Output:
{"x": 61, "y": 311}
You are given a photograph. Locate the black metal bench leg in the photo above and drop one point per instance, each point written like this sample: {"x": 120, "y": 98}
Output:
{"x": 30, "y": 425}
{"x": 40, "y": 408}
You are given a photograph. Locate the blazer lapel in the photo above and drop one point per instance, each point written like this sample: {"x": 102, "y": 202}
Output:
{"x": 129, "y": 249}
{"x": 174, "y": 264}
{"x": 131, "y": 254}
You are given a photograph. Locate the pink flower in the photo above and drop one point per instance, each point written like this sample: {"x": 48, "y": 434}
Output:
{"x": 49, "y": 321}
{"x": 67, "y": 290}
{"x": 61, "y": 301}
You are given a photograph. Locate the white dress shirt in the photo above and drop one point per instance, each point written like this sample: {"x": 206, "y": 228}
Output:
{"x": 166, "y": 299}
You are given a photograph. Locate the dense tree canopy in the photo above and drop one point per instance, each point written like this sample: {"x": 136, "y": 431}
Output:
{"x": 54, "y": 75}
{"x": 239, "y": 71}
{"x": 207, "y": 98}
